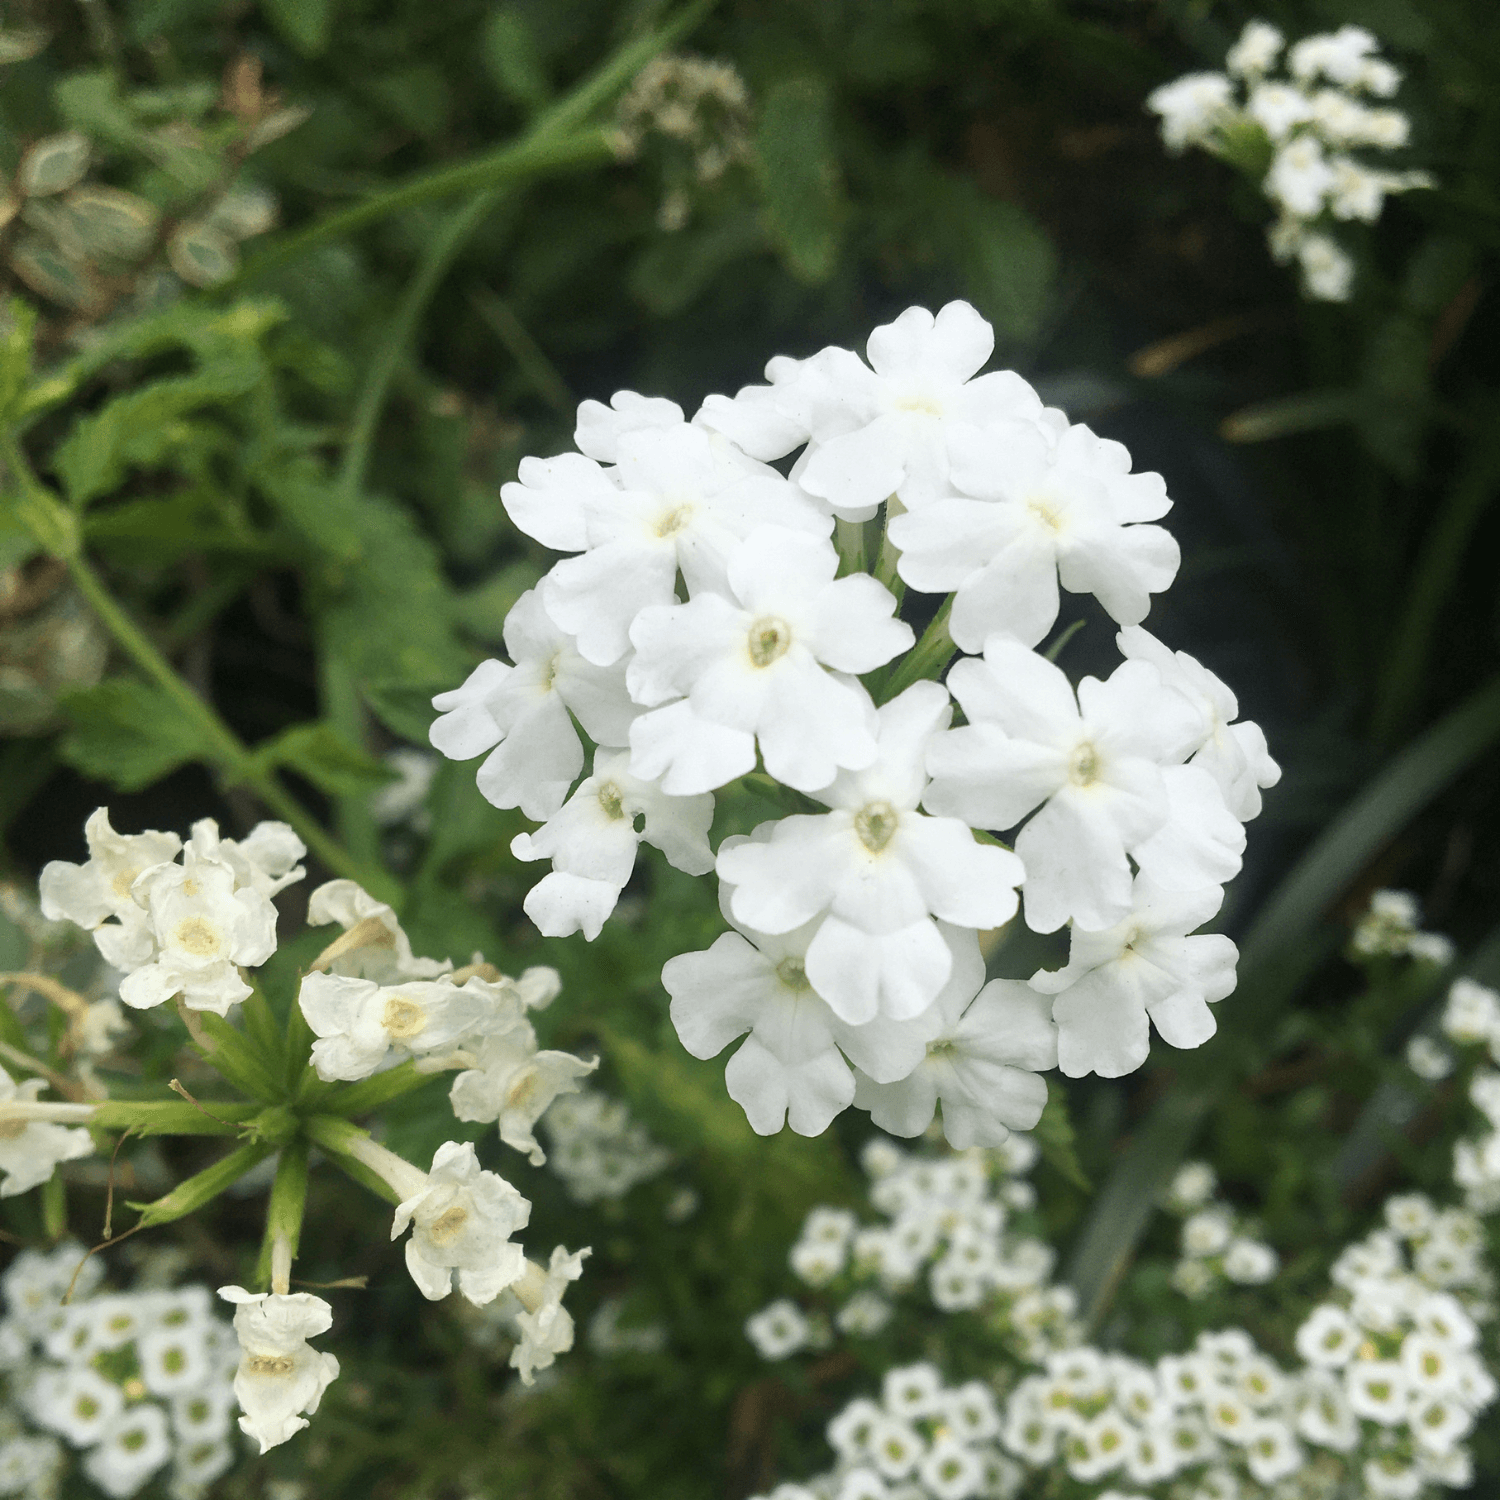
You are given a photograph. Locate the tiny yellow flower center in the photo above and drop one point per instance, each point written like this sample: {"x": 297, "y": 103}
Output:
{"x": 122, "y": 882}
{"x": 769, "y": 639}
{"x": 86, "y": 1407}
{"x": 132, "y": 1442}
{"x": 448, "y": 1225}
{"x": 926, "y": 406}
{"x": 1083, "y": 765}
{"x": 792, "y": 972}
{"x": 612, "y": 801}
{"x": 174, "y": 1361}
{"x": 196, "y": 936}
{"x": 403, "y": 1018}
{"x": 1042, "y": 508}
{"x": 134, "y": 1388}
{"x": 674, "y": 520}
{"x": 875, "y": 823}
{"x": 524, "y": 1090}
{"x": 270, "y": 1364}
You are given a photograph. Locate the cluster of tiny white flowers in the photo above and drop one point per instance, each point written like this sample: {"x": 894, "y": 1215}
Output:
{"x": 1298, "y": 133}
{"x": 137, "y": 1380}
{"x": 854, "y": 965}
{"x": 1391, "y": 927}
{"x": 1217, "y": 1244}
{"x": 922, "y": 1438}
{"x": 597, "y": 1149}
{"x": 947, "y": 1232}
{"x": 1471, "y": 1019}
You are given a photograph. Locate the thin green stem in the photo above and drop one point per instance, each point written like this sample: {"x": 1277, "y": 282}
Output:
{"x": 49, "y": 519}
{"x": 849, "y": 538}
{"x": 926, "y": 659}
{"x": 533, "y": 363}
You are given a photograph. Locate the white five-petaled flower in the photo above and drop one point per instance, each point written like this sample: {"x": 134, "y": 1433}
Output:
{"x": 97, "y": 895}
{"x": 373, "y": 945}
{"x": 1191, "y": 108}
{"x": 760, "y": 664}
{"x": 461, "y": 1223}
{"x": 1144, "y": 970}
{"x": 523, "y": 714}
{"x": 358, "y": 1022}
{"x": 31, "y": 1149}
{"x": 880, "y": 429}
{"x": 280, "y": 1375}
{"x": 1231, "y": 750}
{"x": 1036, "y": 507}
{"x": 205, "y": 929}
{"x": 592, "y": 842}
{"x": 678, "y": 497}
{"x": 1092, "y": 762}
{"x": 791, "y": 1067}
{"x": 984, "y": 1066}
{"x": 878, "y": 872}
{"x": 512, "y": 1084}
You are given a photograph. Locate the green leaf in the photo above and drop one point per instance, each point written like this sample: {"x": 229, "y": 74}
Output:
{"x": 51, "y": 274}
{"x": 1009, "y": 265}
{"x": 1055, "y": 1136}
{"x": 129, "y": 734}
{"x": 17, "y": 331}
{"x": 508, "y": 47}
{"x": 202, "y": 255}
{"x": 140, "y": 427}
{"x": 112, "y": 223}
{"x": 1307, "y": 411}
{"x": 370, "y": 1093}
{"x": 675, "y": 270}
{"x": 54, "y": 164}
{"x": 321, "y": 754}
{"x": 252, "y": 1068}
{"x": 304, "y": 25}
{"x": 797, "y": 157}
{"x": 174, "y": 1116}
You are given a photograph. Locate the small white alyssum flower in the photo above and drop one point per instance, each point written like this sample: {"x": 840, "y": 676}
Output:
{"x": 280, "y": 1375}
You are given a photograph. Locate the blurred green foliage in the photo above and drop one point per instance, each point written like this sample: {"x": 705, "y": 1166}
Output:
{"x": 297, "y": 283}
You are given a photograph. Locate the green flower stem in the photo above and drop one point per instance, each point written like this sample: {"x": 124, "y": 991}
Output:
{"x": 173, "y": 1117}
{"x": 284, "y": 1210}
{"x": 849, "y": 538}
{"x": 48, "y": 1111}
{"x": 56, "y": 530}
{"x": 202, "y": 1188}
{"x": 926, "y": 659}
{"x": 359, "y": 1148}
{"x": 560, "y": 141}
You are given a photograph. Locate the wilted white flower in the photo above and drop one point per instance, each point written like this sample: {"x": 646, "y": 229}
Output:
{"x": 31, "y": 1149}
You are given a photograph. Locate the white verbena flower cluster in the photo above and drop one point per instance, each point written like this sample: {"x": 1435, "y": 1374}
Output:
{"x": 136, "y": 1381}
{"x": 597, "y": 1149}
{"x": 949, "y": 1218}
{"x": 1217, "y": 1244}
{"x": 854, "y": 965}
{"x": 1298, "y": 133}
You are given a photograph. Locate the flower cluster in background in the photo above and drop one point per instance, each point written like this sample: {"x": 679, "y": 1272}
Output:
{"x": 1390, "y": 1380}
{"x": 1300, "y": 121}
{"x": 135, "y": 1381}
{"x": 947, "y": 1241}
{"x": 597, "y": 1149}
{"x": 854, "y": 964}
{"x": 1217, "y": 1245}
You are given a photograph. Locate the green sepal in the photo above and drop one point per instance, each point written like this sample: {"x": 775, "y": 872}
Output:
{"x": 54, "y": 1207}
{"x": 174, "y": 1117}
{"x": 275, "y": 1126}
{"x": 203, "y": 1187}
{"x": 262, "y": 1029}
{"x": 287, "y": 1204}
{"x": 370, "y": 1093}
{"x": 239, "y": 1059}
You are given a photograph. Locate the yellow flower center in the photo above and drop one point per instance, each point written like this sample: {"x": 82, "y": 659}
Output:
{"x": 270, "y": 1364}
{"x": 1083, "y": 765}
{"x": 448, "y": 1225}
{"x": 611, "y": 800}
{"x": 769, "y": 639}
{"x": 875, "y": 823}
{"x": 403, "y": 1018}
{"x": 197, "y": 936}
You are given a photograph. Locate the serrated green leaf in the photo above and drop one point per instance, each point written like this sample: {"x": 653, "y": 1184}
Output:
{"x": 302, "y": 24}
{"x": 797, "y": 159}
{"x": 141, "y": 426}
{"x": 321, "y": 754}
{"x": 128, "y": 734}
